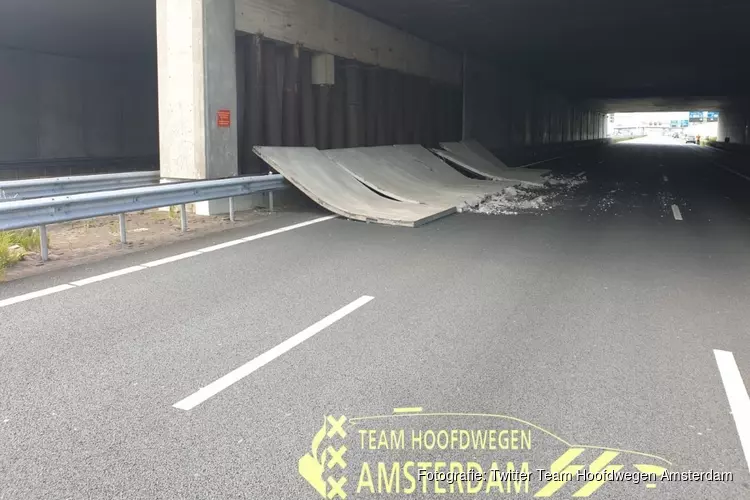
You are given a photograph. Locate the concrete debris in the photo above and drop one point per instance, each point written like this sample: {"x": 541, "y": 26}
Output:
{"x": 524, "y": 199}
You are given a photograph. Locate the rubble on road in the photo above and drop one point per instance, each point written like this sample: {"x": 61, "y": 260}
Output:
{"x": 525, "y": 199}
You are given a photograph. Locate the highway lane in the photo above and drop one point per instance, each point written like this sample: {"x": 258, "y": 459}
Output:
{"x": 597, "y": 321}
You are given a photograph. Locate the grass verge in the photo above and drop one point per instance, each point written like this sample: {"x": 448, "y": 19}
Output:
{"x": 27, "y": 239}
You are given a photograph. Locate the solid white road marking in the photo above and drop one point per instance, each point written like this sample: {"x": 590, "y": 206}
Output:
{"x": 243, "y": 371}
{"x": 221, "y": 246}
{"x": 676, "y": 212}
{"x": 34, "y": 295}
{"x": 173, "y": 258}
{"x": 284, "y": 229}
{"x": 729, "y": 169}
{"x": 106, "y": 276}
{"x": 155, "y": 263}
{"x": 739, "y": 402}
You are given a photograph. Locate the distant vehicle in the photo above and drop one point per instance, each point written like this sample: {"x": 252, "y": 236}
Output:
{"x": 690, "y": 138}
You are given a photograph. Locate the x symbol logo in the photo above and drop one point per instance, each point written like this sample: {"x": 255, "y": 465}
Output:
{"x": 337, "y": 457}
{"x": 337, "y": 426}
{"x": 336, "y": 488}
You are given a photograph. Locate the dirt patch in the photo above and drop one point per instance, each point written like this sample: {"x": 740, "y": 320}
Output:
{"x": 91, "y": 240}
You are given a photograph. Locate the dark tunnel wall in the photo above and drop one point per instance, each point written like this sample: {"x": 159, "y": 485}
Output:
{"x": 507, "y": 110}
{"x": 367, "y": 106}
{"x": 734, "y": 123}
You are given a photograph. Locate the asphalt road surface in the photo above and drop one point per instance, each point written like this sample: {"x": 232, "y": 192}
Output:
{"x": 606, "y": 322}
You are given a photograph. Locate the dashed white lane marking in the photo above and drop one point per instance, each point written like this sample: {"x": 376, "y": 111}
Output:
{"x": 173, "y": 258}
{"x": 739, "y": 402}
{"x": 676, "y": 212}
{"x": 106, "y": 276}
{"x": 34, "y": 295}
{"x": 666, "y": 179}
{"x": 167, "y": 260}
{"x": 243, "y": 371}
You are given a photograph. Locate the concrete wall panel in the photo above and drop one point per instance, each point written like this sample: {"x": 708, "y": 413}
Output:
{"x": 102, "y": 110}
{"x": 140, "y": 112}
{"x": 54, "y": 107}
{"x": 324, "y": 26}
{"x": 60, "y": 107}
{"x": 19, "y": 106}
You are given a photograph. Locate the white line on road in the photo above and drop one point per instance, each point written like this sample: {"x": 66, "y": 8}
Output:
{"x": 729, "y": 169}
{"x": 666, "y": 179}
{"x": 34, "y": 295}
{"x": 155, "y": 263}
{"x": 243, "y": 371}
{"x": 676, "y": 212}
{"x": 739, "y": 402}
{"x": 171, "y": 259}
{"x": 106, "y": 276}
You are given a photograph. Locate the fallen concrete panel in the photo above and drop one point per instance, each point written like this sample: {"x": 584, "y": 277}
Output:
{"x": 439, "y": 168}
{"x": 335, "y": 189}
{"x": 472, "y": 150}
{"x": 485, "y": 169}
{"x": 422, "y": 162}
{"x": 476, "y": 147}
{"x": 401, "y": 177}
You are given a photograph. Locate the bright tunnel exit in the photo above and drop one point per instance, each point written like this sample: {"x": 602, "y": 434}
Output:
{"x": 665, "y": 127}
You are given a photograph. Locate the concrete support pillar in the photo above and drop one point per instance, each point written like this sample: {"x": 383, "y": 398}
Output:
{"x": 197, "y": 90}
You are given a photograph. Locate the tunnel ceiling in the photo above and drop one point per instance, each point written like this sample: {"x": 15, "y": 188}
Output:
{"x": 614, "y": 51}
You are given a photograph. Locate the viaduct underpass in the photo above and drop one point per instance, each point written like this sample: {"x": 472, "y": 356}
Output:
{"x": 595, "y": 322}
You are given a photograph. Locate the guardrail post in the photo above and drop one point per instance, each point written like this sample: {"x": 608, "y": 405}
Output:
{"x": 183, "y": 218}
{"x": 270, "y": 197}
{"x": 43, "y": 242}
{"x": 123, "y": 229}
{"x": 231, "y": 208}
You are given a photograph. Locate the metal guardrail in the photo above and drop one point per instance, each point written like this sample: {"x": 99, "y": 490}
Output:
{"x": 56, "y": 186}
{"x": 43, "y": 211}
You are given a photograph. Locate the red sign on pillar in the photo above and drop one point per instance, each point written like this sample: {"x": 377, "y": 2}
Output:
{"x": 223, "y": 118}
